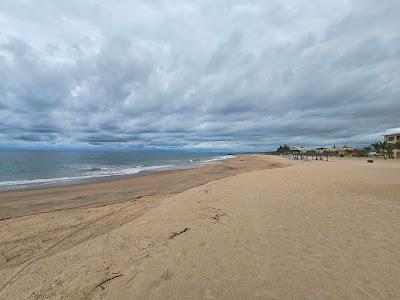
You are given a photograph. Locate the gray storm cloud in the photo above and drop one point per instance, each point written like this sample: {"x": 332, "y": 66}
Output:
{"x": 199, "y": 74}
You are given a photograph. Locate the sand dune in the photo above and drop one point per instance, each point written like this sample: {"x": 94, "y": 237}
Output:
{"x": 297, "y": 230}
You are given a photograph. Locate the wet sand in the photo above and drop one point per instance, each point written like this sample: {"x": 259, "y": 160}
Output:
{"x": 268, "y": 228}
{"x": 26, "y": 202}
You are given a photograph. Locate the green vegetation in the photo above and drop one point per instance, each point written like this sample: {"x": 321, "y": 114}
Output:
{"x": 383, "y": 149}
{"x": 348, "y": 152}
{"x": 283, "y": 149}
{"x": 365, "y": 151}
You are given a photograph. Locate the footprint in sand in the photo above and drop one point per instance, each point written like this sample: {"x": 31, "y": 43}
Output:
{"x": 167, "y": 275}
{"x": 203, "y": 244}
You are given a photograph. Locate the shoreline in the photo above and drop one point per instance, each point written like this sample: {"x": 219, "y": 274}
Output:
{"x": 21, "y": 202}
{"x": 68, "y": 181}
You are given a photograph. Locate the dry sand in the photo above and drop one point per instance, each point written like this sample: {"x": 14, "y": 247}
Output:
{"x": 276, "y": 229}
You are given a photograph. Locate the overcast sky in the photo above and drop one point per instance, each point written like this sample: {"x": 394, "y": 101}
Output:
{"x": 198, "y": 74}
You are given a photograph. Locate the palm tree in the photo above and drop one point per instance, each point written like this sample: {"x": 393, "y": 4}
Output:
{"x": 381, "y": 148}
{"x": 377, "y": 147}
{"x": 389, "y": 150}
{"x": 365, "y": 151}
{"x": 397, "y": 146}
{"x": 384, "y": 148}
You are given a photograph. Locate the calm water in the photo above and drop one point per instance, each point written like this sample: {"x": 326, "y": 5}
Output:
{"x": 22, "y": 169}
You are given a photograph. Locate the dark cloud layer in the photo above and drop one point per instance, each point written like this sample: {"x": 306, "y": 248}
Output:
{"x": 199, "y": 74}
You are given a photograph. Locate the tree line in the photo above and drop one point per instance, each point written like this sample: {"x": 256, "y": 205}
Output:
{"x": 383, "y": 149}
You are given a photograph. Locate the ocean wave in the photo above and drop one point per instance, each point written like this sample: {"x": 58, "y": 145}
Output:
{"x": 93, "y": 172}
{"x": 93, "y": 169}
{"x": 223, "y": 157}
{"x": 90, "y": 173}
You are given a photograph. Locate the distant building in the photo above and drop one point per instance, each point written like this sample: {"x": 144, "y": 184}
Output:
{"x": 345, "y": 151}
{"x": 393, "y": 139}
{"x": 355, "y": 152}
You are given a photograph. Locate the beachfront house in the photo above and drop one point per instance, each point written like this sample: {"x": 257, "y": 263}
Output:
{"x": 393, "y": 139}
{"x": 345, "y": 151}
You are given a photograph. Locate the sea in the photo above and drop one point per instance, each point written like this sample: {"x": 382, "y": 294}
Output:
{"x": 21, "y": 169}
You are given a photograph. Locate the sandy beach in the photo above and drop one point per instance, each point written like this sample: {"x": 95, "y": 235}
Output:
{"x": 252, "y": 227}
